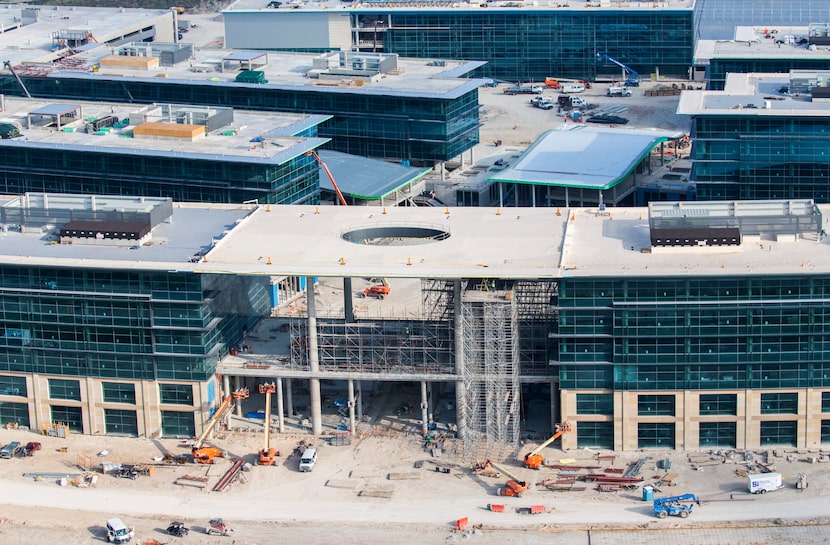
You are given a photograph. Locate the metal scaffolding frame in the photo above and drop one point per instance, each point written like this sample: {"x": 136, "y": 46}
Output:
{"x": 402, "y": 347}
{"x": 490, "y": 371}
{"x": 535, "y": 300}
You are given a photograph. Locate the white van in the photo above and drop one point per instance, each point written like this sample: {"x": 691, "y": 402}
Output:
{"x": 118, "y": 532}
{"x": 308, "y": 459}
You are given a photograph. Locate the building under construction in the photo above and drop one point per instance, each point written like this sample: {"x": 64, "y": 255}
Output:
{"x": 683, "y": 325}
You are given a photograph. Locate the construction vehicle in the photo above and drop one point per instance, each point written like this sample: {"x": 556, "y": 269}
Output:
{"x": 556, "y": 83}
{"x": 177, "y": 529}
{"x": 512, "y": 488}
{"x": 631, "y": 76}
{"x": 379, "y": 290}
{"x": 217, "y": 527}
{"x": 679, "y": 506}
{"x": 325, "y": 167}
{"x": 8, "y": 66}
{"x": 207, "y": 455}
{"x": 268, "y": 455}
{"x": 533, "y": 459}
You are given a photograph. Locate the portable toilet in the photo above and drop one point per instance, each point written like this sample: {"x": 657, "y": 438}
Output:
{"x": 648, "y": 493}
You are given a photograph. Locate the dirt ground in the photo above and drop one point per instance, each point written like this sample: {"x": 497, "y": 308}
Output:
{"x": 384, "y": 488}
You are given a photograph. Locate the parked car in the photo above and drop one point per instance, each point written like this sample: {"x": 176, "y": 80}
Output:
{"x": 9, "y": 450}
{"x": 118, "y": 532}
{"x": 31, "y": 448}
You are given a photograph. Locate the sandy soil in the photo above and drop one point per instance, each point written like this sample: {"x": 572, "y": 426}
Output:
{"x": 369, "y": 492}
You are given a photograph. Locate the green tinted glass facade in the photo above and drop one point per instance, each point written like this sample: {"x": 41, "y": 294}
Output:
{"x": 526, "y": 44}
{"x": 118, "y": 392}
{"x": 719, "y": 67}
{"x": 71, "y": 416}
{"x": 15, "y": 413}
{"x": 595, "y": 434}
{"x": 64, "y": 389}
{"x": 123, "y": 325}
{"x": 693, "y": 333}
{"x": 418, "y": 129}
{"x": 761, "y": 157}
{"x": 177, "y": 424}
{"x": 718, "y": 434}
{"x": 120, "y": 422}
{"x": 13, "y": 386}
{"x": 55, "y": 170}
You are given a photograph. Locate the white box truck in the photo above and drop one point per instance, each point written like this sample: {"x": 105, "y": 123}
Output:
{"x": 572, "y": 88}
{"x": 761, "y": 483}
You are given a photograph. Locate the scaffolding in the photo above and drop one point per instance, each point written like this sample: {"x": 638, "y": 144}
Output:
{"x": 537, "y": 312}
{"x": 402, "y": 347}
{"x": 490, "y": 373}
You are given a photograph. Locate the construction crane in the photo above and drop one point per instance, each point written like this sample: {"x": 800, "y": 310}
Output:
{"x": 206, "y": 455}
{"x": 328, "y": 173}
{"x": 514, "y": 487}
{"x": 268, "y": 455}
{"x": 631, "y": 76}
{"x": 381, "y": 290}
{"x": 533, "y": 459}
{"x": 10, "y": 68}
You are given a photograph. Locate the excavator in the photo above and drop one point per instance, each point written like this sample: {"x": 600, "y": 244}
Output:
{"x": 533, "y": 459}
{"x": 380, "y": 290}
{"x": 206, "y": 455}
{"x": 268, "y": 455}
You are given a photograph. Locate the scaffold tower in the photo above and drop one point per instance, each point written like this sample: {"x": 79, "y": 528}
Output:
{"x": 490, "y": 372}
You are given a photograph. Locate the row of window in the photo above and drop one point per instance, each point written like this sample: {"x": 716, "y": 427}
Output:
{"x": 709, "y": 404}
{"x": 113, "y": 392}
{"x": 731, "y": 376}
{"x": 116, "y": 421}
{"x": 711, "y": 434}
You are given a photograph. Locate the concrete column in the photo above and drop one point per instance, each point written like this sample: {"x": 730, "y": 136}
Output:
{"x": 40, "y": 413}
{"x": 348, "y": 301}
{"x": 360, "y": 399}
{"x": 313, "y": 360}
{"x": 226, "y": 386}
{"x": 431, "y": 397}
{"x": 553, "y": 417}
{"x": 280, "y": 414}
{"x": 351, "y": 407}
{"x": 289, "y": 398}
{"x": 460, "y": 394}
{"x": 501, "y": 194}
{"x": 238, "y": 385}
{"x": 424, "y": 408}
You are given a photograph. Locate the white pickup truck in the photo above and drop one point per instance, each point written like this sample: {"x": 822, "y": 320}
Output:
{"x": 618, "y": 91}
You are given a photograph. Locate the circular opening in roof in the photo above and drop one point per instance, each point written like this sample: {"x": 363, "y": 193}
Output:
{"x": 396, "y": 235}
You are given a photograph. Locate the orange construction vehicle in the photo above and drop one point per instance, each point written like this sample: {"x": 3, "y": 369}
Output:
{"x": 534, "y": 460}
{"x": 514, "y": 487}
{"x": 207, "y": 455}
{"x": 268, "y": 455}
{"x": 380, "y": 290}
{"x": 556, "y": 83}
